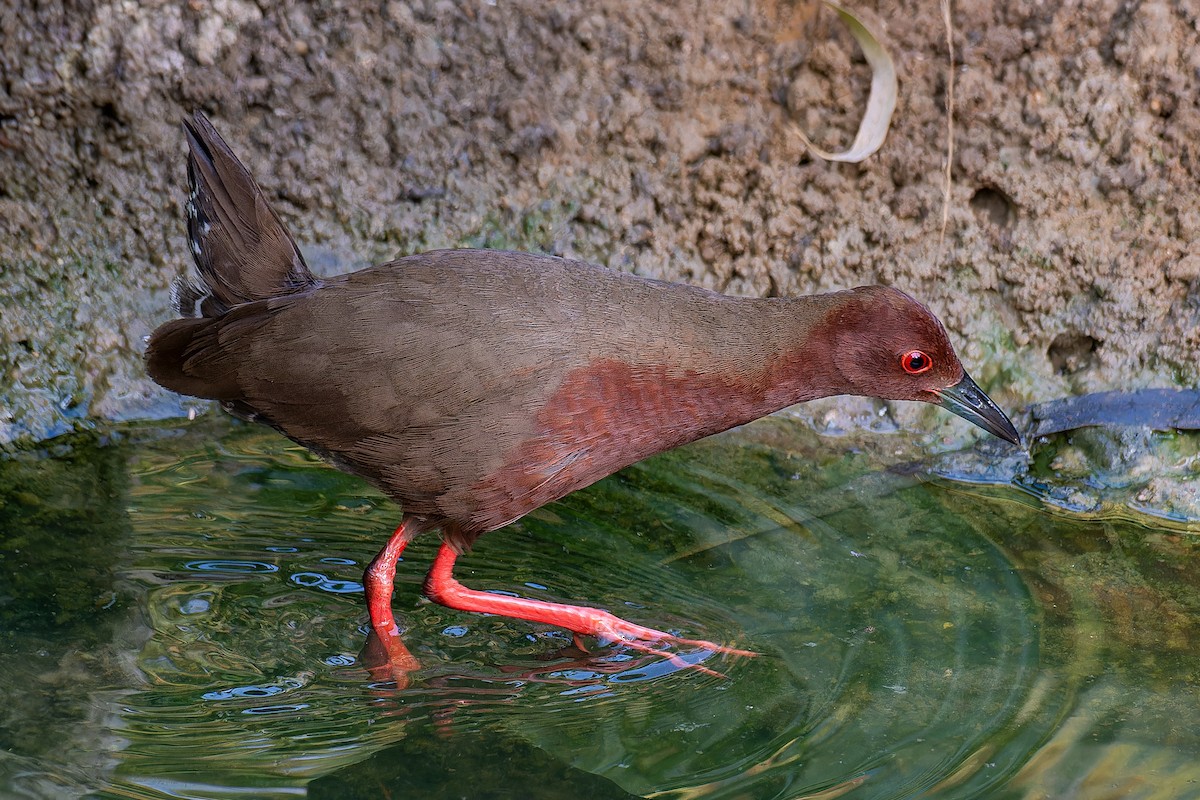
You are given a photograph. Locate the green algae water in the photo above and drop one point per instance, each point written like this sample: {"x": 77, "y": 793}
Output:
{"x": 181, "y": 616}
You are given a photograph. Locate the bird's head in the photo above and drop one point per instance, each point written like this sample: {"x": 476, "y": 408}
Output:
{"x": 888, "y": 345}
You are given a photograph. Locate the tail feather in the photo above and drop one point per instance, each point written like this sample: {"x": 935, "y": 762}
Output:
{"x": 204, "y": 356}
{"x": 244, "y": 257}
{"x": 185, "y": 356}
{"x": 242, "y": 250}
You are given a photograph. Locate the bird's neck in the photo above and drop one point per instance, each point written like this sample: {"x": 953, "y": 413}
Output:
{"x": 683, "y": 373}
{"x": 802, "y": 363}
{"x": 764, "y": 355}
{"x": 775, "y": 352}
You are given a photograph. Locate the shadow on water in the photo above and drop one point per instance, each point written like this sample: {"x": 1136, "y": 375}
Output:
{"x": 463, "y": 766}
{"x": 181, "y": 616}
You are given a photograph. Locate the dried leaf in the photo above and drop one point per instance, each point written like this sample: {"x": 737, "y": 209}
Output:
{"x": 880, "y": 103}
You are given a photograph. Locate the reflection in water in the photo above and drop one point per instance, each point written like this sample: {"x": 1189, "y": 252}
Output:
{"x": 68, "y": 623}
{"x": 181, "y": 615}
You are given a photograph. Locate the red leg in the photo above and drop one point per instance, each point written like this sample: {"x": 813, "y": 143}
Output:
{"x": 384, "y": 647}
{"x": 441, "y": 587}
{"x": 379, "y": 578}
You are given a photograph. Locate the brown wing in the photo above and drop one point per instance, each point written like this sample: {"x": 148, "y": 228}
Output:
{"x": 406, "y": 374}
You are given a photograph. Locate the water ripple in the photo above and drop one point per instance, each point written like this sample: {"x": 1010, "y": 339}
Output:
{"x": 236, "y": 567}
{"x": 315, "y": 580}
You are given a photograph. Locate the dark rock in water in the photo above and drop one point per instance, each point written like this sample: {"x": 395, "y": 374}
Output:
{"x": 1160, "y": 409}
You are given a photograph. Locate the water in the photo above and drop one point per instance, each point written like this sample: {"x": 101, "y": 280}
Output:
{"x": 181, "y": 616}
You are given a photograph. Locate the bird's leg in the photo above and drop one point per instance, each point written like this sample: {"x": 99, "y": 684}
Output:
{"x": 443, "y": 588}
{"x": 384, "y": 647}
{"x": 380, "y": 576}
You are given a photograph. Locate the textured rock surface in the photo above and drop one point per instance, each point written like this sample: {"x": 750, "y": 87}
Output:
{"x": 652, "y": 137}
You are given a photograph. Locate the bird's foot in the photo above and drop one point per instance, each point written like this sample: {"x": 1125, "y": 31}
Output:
{"x": 387, "y": 658}
{"x": 443, "y": 588}
{"x": 610, "y": 628}
{"x": 384, "y": 654}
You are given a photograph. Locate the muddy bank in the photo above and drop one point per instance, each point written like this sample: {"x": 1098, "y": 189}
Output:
{"x": 652, "y": 137}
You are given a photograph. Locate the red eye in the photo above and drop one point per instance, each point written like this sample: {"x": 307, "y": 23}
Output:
{"x": 915, "y": 362}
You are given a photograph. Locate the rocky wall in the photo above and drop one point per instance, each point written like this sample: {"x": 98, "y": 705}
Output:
{"x": 650, "y": 136}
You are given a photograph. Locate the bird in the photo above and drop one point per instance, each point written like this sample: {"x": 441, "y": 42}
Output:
{"x": 475, "y": 386}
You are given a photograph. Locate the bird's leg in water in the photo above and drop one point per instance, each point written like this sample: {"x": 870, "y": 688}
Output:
{"x": 385, "y": 649}
{"x": 441, "y": 587}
